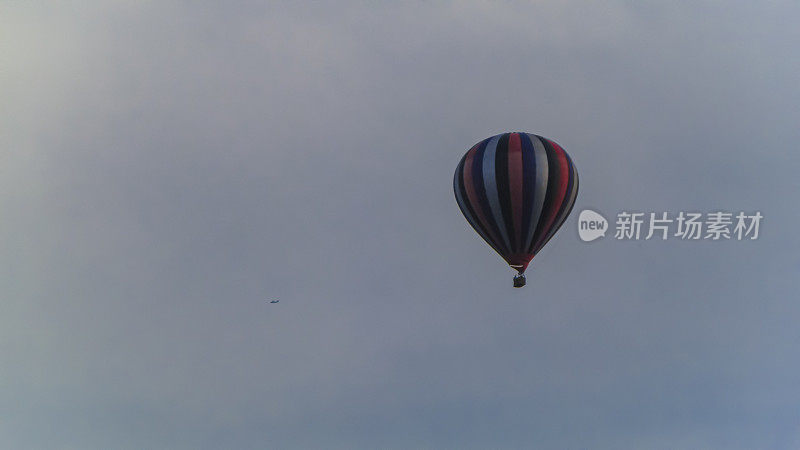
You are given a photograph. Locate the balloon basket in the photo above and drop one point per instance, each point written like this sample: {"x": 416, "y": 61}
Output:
{"x": 519, "y": 281}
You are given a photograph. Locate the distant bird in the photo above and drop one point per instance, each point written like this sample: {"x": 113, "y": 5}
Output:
{"x": 275, "y": 301}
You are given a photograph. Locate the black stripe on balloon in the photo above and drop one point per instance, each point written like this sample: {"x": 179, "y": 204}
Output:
{"x": 528, "y": 184}
{"x": 569, "y": 211}
{"x": 466, "y": 207}
{"x": 553, "y": 178}
{"x": 483, "y": 200}
{"x": 503, "y": 189}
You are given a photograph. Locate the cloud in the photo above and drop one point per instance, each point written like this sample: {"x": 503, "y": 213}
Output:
{"x": 167, "y": 169}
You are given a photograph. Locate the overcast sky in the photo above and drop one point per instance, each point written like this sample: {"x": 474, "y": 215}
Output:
{"x": 167, "y": 168}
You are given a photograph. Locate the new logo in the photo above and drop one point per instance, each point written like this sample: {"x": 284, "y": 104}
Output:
{"x": 591, "y": 225}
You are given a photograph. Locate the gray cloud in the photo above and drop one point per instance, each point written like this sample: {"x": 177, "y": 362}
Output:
{"x": 166, "y": 169}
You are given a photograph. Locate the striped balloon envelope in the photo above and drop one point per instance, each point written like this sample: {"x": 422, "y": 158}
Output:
{"x": 516, "y": 190}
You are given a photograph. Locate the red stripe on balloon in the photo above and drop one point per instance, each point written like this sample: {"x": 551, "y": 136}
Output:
{"x": 515, "y": 183}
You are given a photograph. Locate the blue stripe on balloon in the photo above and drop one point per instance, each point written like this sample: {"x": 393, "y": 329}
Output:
{"x": 480, "y": 189}
{"x": 465, "y": 207}
{"x": 490, "y": 182}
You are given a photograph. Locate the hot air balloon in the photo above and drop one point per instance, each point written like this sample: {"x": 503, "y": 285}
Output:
{"x": 516, "y": 190}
